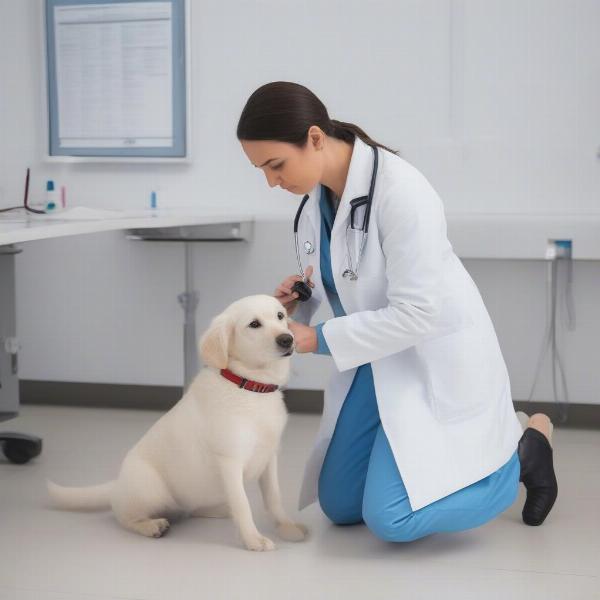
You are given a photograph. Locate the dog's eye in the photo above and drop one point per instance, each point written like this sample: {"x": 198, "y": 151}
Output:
{"x": 280, "y": 315}
{"x": 255, "y": 324}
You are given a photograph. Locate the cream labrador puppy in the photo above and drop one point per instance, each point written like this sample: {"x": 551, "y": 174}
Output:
{"x": 196, "y": 459}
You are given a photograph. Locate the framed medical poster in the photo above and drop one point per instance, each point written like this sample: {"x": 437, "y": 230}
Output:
{"x": 117, "y": 78}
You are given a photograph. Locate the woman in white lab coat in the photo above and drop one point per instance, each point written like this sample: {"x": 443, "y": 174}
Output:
{"x": 418, "y": 433}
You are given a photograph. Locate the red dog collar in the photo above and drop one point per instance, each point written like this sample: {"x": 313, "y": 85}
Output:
{"x": 248, "y": 384}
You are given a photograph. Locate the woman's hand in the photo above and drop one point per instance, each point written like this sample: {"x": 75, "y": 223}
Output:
{"x": 305, "y": 337}
{"x": 284, "y": 293}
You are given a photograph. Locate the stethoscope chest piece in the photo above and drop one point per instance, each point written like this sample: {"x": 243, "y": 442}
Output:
{"x": 349, "y": 273}
{"x": 308, "y": 247}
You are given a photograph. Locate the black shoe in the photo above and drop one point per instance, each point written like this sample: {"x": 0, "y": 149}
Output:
{"x": 537, "y": 473}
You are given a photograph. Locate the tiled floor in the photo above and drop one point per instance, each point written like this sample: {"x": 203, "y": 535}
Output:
{"x": 54, "y": 555}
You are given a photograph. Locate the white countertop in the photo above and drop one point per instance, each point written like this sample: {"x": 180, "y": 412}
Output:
{"x": 486, "y": 236}
{"x": 17, "y": 226}
{"x": 517, "y": 236}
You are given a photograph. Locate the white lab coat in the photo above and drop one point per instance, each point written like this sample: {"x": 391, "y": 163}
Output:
{"x": 415, "y": 314}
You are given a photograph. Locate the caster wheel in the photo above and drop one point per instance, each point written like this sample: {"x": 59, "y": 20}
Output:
{"x": 20, "y": 449}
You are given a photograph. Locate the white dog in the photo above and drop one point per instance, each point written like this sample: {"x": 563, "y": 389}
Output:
{"x": 196, "y": 458}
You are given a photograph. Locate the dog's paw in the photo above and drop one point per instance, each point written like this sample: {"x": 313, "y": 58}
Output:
{"x": 154, "y": 528}
{"x": 259, "y": 543}
{"x": 292, "y": 532}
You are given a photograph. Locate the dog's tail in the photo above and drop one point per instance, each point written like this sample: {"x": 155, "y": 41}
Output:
{"x": 93, "y": 497}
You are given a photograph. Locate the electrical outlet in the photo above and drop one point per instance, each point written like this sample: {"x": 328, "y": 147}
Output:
{"x": 559, "y": 249}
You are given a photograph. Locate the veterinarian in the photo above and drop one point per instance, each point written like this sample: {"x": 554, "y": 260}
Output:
{"x": 418, "y": 433}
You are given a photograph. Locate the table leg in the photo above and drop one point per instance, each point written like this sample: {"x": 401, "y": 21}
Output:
{"x": 189, "y": 303}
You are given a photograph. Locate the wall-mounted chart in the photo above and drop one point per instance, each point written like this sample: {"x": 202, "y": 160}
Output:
{"x": 116, "y": 78}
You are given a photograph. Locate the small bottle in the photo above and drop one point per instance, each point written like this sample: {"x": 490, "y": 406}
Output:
{"x": 52, "y": 198}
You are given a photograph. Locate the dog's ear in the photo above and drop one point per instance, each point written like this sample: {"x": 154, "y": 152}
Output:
{"x": 214, "y": 344}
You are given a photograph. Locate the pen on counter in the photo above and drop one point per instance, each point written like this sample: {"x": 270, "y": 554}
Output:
{"x": 152, "y": 199}
{"x": 63, "y": 196}
{"x": 26, "y": 198}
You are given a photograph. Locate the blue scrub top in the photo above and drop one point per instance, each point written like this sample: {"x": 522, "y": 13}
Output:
{"x": 327, "y": 218}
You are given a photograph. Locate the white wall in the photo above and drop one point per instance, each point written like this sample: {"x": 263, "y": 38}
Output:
{"x": 495, "y": 101}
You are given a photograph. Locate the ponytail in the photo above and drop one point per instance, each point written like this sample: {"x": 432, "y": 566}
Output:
{"x": 347, "y": 132}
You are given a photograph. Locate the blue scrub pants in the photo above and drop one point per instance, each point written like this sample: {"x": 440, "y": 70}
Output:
{"x": 359, "y": 479}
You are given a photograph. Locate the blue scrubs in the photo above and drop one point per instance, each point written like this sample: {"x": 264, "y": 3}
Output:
{"x": 359, "y": 479}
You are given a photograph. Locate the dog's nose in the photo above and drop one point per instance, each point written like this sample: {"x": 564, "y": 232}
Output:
{"x": 285, "y": 340}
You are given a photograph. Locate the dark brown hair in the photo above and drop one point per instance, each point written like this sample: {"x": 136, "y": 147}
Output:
{"x": 284, "y": 112}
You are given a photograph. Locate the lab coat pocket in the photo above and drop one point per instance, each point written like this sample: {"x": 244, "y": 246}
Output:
{"x": 357, "y": 216}
{"x": 459, "y": 374}
{"x": 354, "y": 239}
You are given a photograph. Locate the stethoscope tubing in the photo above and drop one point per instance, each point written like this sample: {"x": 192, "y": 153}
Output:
{"x": 365, "y": 228}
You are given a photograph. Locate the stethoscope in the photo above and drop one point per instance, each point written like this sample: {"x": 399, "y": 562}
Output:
{"x": 303, "y": 289}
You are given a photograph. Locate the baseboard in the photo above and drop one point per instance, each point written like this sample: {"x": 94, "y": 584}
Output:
{"x": 157, "y": 397}
{"x": 580, "y": 416}
{"x": 149, "y": 397}
{"x": 98, "y": 395}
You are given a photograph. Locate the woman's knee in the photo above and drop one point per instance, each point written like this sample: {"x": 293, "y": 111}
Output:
{"x": 388, "y": 526}
{"x": 339, "y": 508}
